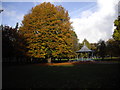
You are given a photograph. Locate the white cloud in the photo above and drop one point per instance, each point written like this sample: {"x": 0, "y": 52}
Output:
{"x": 49, "y": 0}
{"x": 96, "y": 25}
{"x": 13, "y": 16}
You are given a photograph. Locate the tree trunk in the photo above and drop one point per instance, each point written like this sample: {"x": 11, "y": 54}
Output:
{"x": 68, "y": 59}
{"x": 103, "y": 58}
{"x": 49, "y": 60}
{"x": 111, "y": 56}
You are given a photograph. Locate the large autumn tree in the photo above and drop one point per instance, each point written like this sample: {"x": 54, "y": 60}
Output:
{"x": 48, "y": 32}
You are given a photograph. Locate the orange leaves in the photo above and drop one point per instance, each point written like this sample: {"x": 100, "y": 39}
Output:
{"x": 47, "y": 29}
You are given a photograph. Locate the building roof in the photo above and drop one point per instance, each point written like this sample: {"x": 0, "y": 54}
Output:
{"x": 84, "y": 49}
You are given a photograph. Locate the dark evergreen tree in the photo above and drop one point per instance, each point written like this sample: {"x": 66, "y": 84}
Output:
{"x": 101, "y": 48}
{"x": 13, "y": 44}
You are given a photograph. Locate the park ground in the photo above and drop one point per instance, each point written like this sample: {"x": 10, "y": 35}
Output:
{"x": 79, "y": 75}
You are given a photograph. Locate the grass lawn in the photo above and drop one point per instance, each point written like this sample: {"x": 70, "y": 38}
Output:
{"x": 67, "y": 76}
{"x": 108, "y": 59}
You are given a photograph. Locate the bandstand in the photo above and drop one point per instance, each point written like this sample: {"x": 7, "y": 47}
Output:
{"x": 84, "y": 54}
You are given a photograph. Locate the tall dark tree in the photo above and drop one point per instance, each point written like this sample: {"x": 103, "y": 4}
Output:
{"x": 7, "y": 42}
{"x": 12, "y": 43}
{"x": 112, "y": 48}
{"x": 101, "y": 48}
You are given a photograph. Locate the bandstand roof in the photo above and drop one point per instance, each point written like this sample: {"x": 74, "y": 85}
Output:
{"x": 84, "y": 49}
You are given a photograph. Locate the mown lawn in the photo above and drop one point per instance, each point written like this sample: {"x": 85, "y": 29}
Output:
{"x": 70, "y": 76}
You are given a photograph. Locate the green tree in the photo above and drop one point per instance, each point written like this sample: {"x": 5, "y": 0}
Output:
{"x": 110, "y": 47}
{"x": 116, "y": 34}
{"x": 75, "y": 45}
{"x": 48, "y": 32}
{"x": 86, "y": 43}
{"x": 93, "y": 46}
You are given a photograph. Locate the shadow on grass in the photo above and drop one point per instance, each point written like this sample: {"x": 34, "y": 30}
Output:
{"x": 56, "y": 76}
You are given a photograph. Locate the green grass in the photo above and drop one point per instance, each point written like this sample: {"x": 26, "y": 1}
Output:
{"x": 74, "y": 76}
{"x": 66, "y": 59}
{"x": 109, "y": 59}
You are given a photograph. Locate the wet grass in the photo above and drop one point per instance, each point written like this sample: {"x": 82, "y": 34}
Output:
{"x": 66, "y": 76}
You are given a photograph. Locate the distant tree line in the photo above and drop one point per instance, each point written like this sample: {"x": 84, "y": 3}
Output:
{"x": 103, "y": 49}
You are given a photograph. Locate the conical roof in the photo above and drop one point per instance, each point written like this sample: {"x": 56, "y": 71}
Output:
{"x": 84, "y": 49}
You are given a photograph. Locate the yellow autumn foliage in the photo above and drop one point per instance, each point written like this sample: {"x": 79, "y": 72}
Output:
{"x": 48, "y": 32}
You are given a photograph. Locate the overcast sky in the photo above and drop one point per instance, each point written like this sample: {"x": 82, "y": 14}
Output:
{"x": 92, "y": 19}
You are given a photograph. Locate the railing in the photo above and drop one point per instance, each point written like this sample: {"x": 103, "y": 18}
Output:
{"x": 84, "y": 59}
